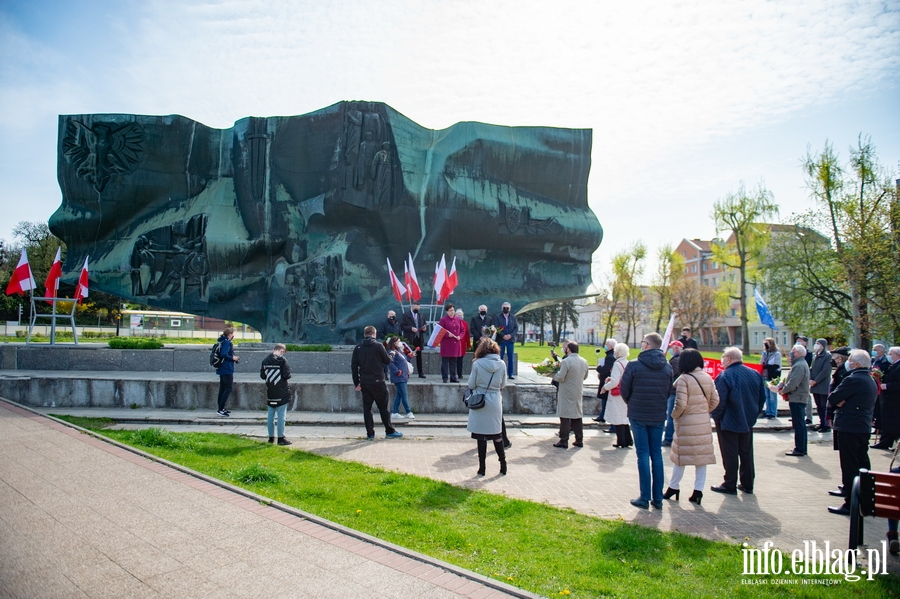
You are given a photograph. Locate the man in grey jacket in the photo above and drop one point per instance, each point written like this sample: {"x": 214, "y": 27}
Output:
{"x": 820, "y": 376}
{"x": 796, "y": 388}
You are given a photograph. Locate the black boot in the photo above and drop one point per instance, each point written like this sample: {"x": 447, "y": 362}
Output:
{"x": 501, "y": 454}
{"x": 482, "y": 454}
{"x": 894, "y": 548}
{"x": 271, "y": 439}
{"x": 670, "y": 492}
{"x": 283, "y": 441}
{"x": 696, "y": 497}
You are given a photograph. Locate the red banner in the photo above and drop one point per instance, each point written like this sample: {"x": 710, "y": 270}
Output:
{"x": 714, "y": 367}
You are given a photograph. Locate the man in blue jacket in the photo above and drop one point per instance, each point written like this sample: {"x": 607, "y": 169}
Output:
{"x": 226, "y": 370}
{"x": 508, "y": 329}
{"x": 645, "y": 388}
{"x": 742, "y": 395}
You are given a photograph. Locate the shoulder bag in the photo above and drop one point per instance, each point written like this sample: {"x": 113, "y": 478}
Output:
{"x": 475, "y": 401}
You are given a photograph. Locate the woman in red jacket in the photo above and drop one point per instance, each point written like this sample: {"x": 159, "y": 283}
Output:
{"x": 451, "y": 343}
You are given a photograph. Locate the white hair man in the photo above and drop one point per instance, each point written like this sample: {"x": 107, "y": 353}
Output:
{"x": 604, "y": 369}
{"x": 796, "y": 389}
{"x": 854, "y": 402}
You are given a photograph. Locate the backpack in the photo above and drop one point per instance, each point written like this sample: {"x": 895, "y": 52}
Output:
{"x": 215, "y": 356}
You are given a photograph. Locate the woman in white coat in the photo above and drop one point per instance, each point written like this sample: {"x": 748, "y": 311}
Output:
{"x": 616, "y": 410}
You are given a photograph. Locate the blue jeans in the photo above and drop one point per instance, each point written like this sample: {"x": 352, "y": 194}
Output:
{"x": 771, "y": 403}
{"x": 402, "y": 396}
{"x": 648, "y": 446}
{"x": 282, "y": 411}
{"x": 508, "y": 348}
{"x": 798, "y": 421}
{"x": 670, "y": 423}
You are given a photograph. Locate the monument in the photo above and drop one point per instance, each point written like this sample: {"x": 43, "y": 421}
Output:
{"x": 284, "y": 223}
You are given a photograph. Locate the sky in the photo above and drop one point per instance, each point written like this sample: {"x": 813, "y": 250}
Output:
{"x": 686, "y": 99}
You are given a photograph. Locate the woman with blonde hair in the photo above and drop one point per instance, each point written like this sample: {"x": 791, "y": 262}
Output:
{"x": 695, "y": 398}
{"x": 488, "y": 376}
{"x": 616, "y": 410}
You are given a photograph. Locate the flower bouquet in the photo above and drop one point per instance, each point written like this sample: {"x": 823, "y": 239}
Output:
{"x": 498, "y": 333}
{"x": 547, "y": 367}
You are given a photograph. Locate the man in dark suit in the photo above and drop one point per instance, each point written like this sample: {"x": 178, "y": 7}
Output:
{"x": 507, "y": 336}
{"x": 853, "y": 400}
{"x": 478, "y": 323}
{"x": 742, "y": 395}
{"x": 413, "y": 327}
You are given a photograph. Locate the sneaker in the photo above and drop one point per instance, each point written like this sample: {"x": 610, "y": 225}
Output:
{"x": 396, "y": 416}
{"x": 394, "y": 435}
{"x": 410, "y": 415}
{"x": 222, "y": 413}
{"x": 370, "y": 437}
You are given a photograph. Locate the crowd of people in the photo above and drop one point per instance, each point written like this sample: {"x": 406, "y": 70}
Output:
{"x": 650, "y": 402}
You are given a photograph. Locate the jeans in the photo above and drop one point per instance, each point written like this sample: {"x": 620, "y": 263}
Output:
{"x": 226, "y": 384}
{"x": 375, "y": 393}
{"x": 771, "y": 403}
{"x": 648, "y": 446}
{"x": 798, "y": 421}
{"x": 509, "y": 349}
{"x": 402, "y": 396}
{"x": 678, "y": 473}
{"x": 281, "y": 411}
{"x": 670, "y": 423}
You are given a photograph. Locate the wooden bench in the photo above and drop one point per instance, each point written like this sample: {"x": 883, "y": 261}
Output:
{"x": 874, "y": 494}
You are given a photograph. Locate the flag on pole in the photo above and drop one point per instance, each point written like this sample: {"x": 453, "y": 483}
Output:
{"x": 52, "y": 283}
{"x": 81, "y": 290}
{"x": 440, "y": 277}
{"x": 668, "y": 336}
{"x": 451, "y": 282}
{"x": 21, "y": 280}
{"x": 436, "y": 336}
{"x": 414, "y": 291}
{"x": 406, "y": 282}
{"x": 765, "y": 316}
{"x": 397, "y": 286}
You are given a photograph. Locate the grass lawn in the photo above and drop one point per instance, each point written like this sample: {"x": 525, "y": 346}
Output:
{"x": 530, "y": 545}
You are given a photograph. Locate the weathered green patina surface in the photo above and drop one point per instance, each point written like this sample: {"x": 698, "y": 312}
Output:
{"x": 285, "y": 223}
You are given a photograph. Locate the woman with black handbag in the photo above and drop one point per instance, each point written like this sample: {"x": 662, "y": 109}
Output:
{"x": 488, "y": 377}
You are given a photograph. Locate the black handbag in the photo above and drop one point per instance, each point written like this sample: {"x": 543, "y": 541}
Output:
{"x": 475, "y": 401}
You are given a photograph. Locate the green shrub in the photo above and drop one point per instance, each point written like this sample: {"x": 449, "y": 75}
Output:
{"x": 135, "y": 343}
{"x": 310, "y": 347}
{"x": 156, "y": 437}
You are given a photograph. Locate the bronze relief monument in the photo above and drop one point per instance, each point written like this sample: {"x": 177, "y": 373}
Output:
{"x": 284, "y": 223}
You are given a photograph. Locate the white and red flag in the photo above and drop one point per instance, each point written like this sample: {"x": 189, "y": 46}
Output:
{"x": 51, "y": 285}
{"x": 668, "y": 336}
{"x": 414, "y": 290}
{"x": 437, "y": 335}
{"x": 396, "y": 285}
{"x": 451, "y": 282}
{"x": 440, "y": 277}
{"x": 81, "y": 290}
{"x": 21, "y": 280}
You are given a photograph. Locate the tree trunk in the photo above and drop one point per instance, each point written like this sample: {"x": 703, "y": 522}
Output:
{"x": 745, "y": 330}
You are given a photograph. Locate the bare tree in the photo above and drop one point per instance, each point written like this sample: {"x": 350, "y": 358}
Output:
{"x": 669, "y": 271}
{"x": 695, "y": 304}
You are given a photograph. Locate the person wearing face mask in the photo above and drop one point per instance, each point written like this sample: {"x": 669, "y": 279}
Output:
{"x": 573, "y": 370}
{"x": 771, "y": 363}
{"x": 796, "y": 390}
{"x": 276, "y": 372}
{"x": 838, "y": 360}
{"x": 451, "y": 343}
{"x": 506, "y": 337}
{"x": 413, "y": 327}
{"x": 890, "y": 401}
{"x": 853, "y": 401}
{"x": 391, "y": 326}
{"x": 818, "y": 383}
{"x": 879, "y": 357}
{"x": 478, "y": 323}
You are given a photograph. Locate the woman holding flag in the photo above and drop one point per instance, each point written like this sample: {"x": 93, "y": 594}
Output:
{"x": 451, "y": 342}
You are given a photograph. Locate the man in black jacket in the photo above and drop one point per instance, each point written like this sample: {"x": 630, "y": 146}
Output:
{"x": 854, "y": 401}
{"x": 367, "y": 367}
{"x": 687, "y": 342}
{"x": 276, "y": 372}
{"x": 645, "y": 388}
{"x": 391, "y": 326}
{"x": 478, "y": 324}
{"x": 413, "y": 327}
{"x": 604, "y": 369}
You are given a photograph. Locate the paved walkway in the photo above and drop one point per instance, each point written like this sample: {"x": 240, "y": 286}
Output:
{"x": 788, "y": 506}
{"x": 80, "y": 517}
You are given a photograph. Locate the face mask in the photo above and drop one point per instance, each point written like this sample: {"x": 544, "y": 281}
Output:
{"x": 483, "y": 313}
{"x": 847, "y": 366}
{"x": 392, "y": 318}
{"x": 415, "y": 310}
{"x": 890, "y": 359}
{"x": 817, "y": 347}
{"x": 506, "y": 310}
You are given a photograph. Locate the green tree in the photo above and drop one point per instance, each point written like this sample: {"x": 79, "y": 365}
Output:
{"x": 561, "y": 314}
{"x": 669, "y": 271}
{"x": 742, "y": 214}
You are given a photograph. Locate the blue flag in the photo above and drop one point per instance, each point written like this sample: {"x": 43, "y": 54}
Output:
{"x": 762, "y": 309}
